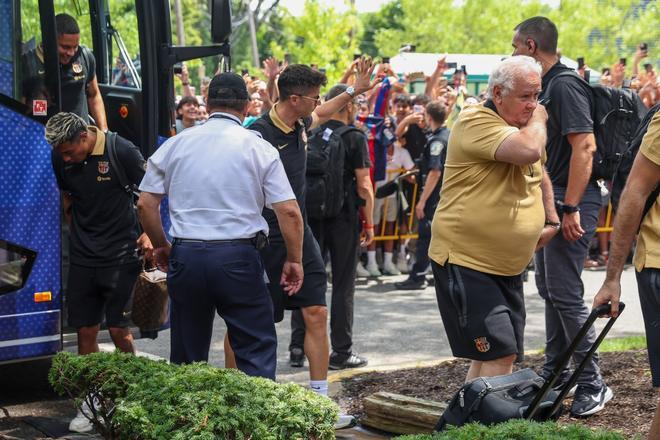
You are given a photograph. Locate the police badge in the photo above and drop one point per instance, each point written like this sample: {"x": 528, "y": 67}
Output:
{"x": 76, "y": 67}
{"x": 482, "y": 344}
{"x": 104, "y": 167}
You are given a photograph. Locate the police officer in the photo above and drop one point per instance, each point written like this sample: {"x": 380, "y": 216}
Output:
{"x": 431, "y": 165}
{"x": 80, "y": 89}
{"x": 219, "y": 176}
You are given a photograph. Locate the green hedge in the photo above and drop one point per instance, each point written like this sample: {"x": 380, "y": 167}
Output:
{"x": 145, "y": 399}
{"x": 518, "y": 430}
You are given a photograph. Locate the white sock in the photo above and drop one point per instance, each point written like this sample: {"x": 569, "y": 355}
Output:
{"x": 371, "y": 258}
{"x": 402, "y": 251}
{"x": 319, "y": 387}
{"x": 387, "y": 256}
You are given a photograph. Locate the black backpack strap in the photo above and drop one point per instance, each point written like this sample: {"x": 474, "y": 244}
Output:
{"x": 115, "y": 163}
{"x": 564, "y": 74}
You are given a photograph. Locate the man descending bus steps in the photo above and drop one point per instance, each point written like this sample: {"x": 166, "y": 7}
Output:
{"x": 104, "y": 231}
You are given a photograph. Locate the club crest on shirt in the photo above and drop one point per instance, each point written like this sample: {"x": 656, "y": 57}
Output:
{"x": 104, "y": 167}
{"x": 76, "y": 67}
{"x": 482, "y": 344}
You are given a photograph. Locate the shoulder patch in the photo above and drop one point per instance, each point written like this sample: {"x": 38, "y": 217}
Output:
{"x": 436, "y": 148}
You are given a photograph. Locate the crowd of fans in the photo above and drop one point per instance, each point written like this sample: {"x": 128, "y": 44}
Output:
{"x": 403, "y": 117}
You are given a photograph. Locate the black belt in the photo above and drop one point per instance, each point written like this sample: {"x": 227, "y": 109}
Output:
{"x": 234, "y": 241}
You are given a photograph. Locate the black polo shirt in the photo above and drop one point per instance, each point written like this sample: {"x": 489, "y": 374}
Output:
{"x": 292, "y": 146}
{"x": 104, "y": 224}
{"x": 569, "y": 111}
{"x": 74, "y": 76}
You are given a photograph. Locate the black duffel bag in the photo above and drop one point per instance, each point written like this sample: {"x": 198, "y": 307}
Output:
{"x": 523, "y": 394}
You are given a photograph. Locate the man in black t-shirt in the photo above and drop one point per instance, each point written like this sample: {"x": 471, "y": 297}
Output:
{"x": 570, "y": 149}
{"x": 80, "y": 92}
{"x": 104, "y": 228}
{"x": 340, "y": 236}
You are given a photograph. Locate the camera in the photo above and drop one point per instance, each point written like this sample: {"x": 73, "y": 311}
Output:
{"x": 177, "y": 69}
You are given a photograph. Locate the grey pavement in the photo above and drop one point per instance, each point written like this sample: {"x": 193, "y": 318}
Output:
{"x": 395, "y": 328}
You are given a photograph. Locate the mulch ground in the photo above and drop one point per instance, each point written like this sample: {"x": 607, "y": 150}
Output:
{"x": 627, "y": 373}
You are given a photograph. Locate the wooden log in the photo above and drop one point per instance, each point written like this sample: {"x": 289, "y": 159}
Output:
{"x": 401, "y": 414}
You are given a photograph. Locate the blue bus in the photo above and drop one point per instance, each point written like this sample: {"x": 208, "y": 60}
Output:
{"x": 137, "y": 84}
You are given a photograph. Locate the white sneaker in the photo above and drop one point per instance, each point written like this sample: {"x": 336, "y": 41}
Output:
{"x": 345, "y": 421}
{"x": 373, "y": 270}
{"x": 81, "y": 423}
{"x": 402, "y": 265}
{"x": 390, "y": 269}
{"x": 361, "y": 271}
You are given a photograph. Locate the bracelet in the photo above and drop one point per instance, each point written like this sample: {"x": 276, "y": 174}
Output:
{"x": 556, "y": 225}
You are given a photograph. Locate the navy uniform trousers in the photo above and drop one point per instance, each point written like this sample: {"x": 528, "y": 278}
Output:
{"x": 205, "y": 277}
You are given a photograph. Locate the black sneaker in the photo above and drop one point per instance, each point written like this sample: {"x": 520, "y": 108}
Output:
{"x": 297, "y": 357}
{"x": 411, "y": 284}
{"x": 338, "y": 362}
{"x": 589, "y": 400}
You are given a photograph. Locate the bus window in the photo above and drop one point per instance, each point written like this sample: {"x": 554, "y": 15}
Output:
{"x": 125, "y": 46}
{"x": 15, "y": 266}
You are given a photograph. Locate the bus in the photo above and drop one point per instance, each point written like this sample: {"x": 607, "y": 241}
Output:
{"x": 137, "y": 84}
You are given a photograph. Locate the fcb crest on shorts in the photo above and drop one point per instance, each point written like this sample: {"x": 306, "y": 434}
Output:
{"x": 482, "y": 344}
{"x": 104, "y": 167}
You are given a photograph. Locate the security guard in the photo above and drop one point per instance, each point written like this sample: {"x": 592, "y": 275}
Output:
{"x": 219, "y": 177}
{"x": 432, "y": 163}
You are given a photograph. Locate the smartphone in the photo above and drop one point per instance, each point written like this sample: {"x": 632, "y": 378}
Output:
{"x": 244, "y": 72}
{"x": 464, "y": 69}
{"x": 580, "y": 62}
{"x": 386, "y": 60}
{"x": 177, "y": 69}
{"x": 356, "y": 56}
{"x": 587, "y": 75}
{"x": 643, "y": 47}
{"x": 622, "y": 61}
{"x": 322, "y": 70}
{"x": 287, "y": 58}
{"x": 418, "y": 108}
{"x": 452, "y": 65}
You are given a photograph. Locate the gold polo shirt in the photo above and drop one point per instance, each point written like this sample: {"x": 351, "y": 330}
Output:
{"x": 490, "y": 214}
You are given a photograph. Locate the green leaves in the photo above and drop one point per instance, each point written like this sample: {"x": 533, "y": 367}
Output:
{"x": 156, "y": 400}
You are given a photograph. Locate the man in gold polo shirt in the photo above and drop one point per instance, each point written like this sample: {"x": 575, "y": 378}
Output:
{"x": 643, "y": 179}
{"x": 496, "y": 209}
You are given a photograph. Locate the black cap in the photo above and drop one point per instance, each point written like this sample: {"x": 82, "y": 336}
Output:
{"x": 228, "y": 86}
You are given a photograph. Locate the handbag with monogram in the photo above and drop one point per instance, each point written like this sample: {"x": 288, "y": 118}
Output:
{"x": 150, "y": 310}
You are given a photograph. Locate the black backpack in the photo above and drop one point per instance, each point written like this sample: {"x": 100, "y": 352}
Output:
{"x": 616, "y": 114}
{"x": 326, "y": 155}
{"x": 626, "y": 163}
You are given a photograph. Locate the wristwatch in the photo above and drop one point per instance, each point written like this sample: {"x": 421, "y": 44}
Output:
{"x": 351, "y": 91}
{"x": 566, "y": 208}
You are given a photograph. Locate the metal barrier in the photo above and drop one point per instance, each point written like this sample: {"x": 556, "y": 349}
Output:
{"x": 411, "y": 222}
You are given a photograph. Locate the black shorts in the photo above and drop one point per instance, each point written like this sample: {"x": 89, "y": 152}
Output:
{"x": 93, "y": 291}
{"x": 483, "y": 314}
{"x": 312, "y": 292}
{"x": 648, "y": 282}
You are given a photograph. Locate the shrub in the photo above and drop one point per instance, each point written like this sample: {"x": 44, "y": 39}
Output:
{"x": 518, "y": 430}
{"x": 145, "y": 399}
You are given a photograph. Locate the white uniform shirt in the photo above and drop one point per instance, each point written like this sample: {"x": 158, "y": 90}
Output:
{"x": 218, "y": 178}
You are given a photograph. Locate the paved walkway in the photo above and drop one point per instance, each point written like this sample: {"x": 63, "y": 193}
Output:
{"x": 394, "y": 328}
